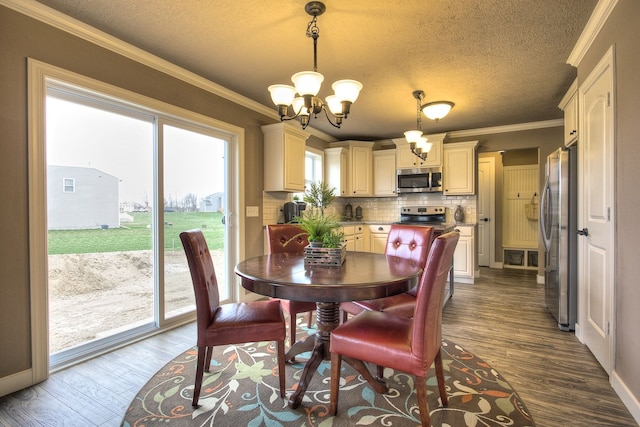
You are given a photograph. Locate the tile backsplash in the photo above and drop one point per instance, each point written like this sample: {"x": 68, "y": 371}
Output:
{"x": 374, "y": 209}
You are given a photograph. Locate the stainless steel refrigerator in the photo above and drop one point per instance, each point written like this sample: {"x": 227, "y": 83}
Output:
{"x": 558, "y": 229}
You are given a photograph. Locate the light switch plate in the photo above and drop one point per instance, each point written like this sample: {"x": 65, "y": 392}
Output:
{"x": 252, "y": 211}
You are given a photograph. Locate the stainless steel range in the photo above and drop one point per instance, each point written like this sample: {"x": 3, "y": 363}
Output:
{"x": 433, "y": 216}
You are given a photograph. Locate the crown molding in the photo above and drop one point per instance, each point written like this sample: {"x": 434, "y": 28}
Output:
{"x": 93, "y": 35}
{"x": 597, "y": 20}
{"x": 506, "y": 128}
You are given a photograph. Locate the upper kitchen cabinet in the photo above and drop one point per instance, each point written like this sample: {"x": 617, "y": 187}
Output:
{"x": 569, "y": 105}
{"x": 384, "y": 173}
{"x": 405, "y": 159}
{"x": 284, "y": 154}
{"x": 359, "y": 170}
{"x": 335, "y": 169}
{"x": 459, "y": 168}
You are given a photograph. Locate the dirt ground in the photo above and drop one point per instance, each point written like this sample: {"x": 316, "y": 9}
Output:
{"x": 95, "y": 295}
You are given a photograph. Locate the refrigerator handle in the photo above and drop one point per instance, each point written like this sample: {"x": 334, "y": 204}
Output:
{"x": 544, "y": 216}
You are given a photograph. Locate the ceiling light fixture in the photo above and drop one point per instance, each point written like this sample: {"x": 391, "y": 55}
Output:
{"x": 307, "y": 85}
{"x": 433, "y": 110}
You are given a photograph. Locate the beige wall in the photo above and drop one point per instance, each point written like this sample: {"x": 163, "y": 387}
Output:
{"x": 545, "y": 140}
{"x": 623, "y": 31}
{"x": 22, "y": 37}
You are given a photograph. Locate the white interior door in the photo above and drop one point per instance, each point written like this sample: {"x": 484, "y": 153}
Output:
{"x": 486, "y": 207}
{"x": 595, "y": 262}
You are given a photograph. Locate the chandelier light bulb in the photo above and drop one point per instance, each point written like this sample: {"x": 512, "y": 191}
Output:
{"x": 437, "y": 110}
{"x": 282, "y": 94}
{"x": 347, "y": 90}
{"x": 335, "y": 106}
{"x": 413, "y": 136}
{"x": 298, "y": 106}
{"x": 307, "y": 82}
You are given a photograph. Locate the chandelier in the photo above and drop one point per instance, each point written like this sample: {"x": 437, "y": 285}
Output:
{"x": 419, "y": 144}
{"x": 307, "y": 85}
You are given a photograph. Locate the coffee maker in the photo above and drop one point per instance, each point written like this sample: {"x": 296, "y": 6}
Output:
{"x": 292, "y": 210}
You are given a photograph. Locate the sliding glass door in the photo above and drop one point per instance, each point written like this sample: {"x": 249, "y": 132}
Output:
{"x": 122, "y": 183}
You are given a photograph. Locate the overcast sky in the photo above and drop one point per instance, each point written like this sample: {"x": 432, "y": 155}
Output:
{"x": 122, "y": 146}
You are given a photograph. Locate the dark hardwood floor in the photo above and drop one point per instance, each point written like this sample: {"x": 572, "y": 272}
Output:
{"x": 501, "y": 318}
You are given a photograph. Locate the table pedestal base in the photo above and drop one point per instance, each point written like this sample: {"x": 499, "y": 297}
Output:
{"x": 328, "y": 318}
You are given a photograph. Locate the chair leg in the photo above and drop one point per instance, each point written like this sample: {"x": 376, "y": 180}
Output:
{"x": 380, "y": 372}
{"x": 345, "y": 315}
{"x": 199, "y": 373}
{"x": 207, "y": 361}
{"x": 281, "y": 372}
{"x": 336, "y": 362}
{"x": 440, "y": 377}
{"x": 309, "y": 319}
{"x": 292, "y": 329}
{"x": 423, "y": 404}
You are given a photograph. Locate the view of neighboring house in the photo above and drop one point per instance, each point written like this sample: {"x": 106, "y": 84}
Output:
{"x": 79, "y": 198}
{"x": 212, "y": 203}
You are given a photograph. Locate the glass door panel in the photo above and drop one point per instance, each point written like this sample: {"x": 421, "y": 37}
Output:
{"x": 99, "y": 184}
{"x": 194, "y": 197}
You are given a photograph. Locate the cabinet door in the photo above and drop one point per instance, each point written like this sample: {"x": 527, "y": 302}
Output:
{"x": 294, "y": 150}
{"x": 336, "y": 169}
{"x": 571, "y": 121}
{"x": 459, "y": 169}
{"x": 463, "y": 258}
{"x": 384, "y": 173}
{"x": 361, "y": 173}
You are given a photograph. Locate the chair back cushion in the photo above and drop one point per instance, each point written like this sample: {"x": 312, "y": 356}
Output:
{"x": 203, "y": 276}
{"x": 427, "y": 318}
{"x": 411, "y": 242}
{"x": 286, "y": 238}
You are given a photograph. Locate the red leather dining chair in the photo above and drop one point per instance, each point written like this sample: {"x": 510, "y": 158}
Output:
{"x": 405, "y": 241}
{"x": 232, "y": 323}
{"x": 409, "y": 345}
{"x": 290, "y": 238}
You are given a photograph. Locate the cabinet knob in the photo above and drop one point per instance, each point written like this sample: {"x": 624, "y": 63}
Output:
{"x": 380, "y": 229}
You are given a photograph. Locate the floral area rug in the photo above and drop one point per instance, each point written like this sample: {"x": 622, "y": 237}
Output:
{"x": 242, "y": 390}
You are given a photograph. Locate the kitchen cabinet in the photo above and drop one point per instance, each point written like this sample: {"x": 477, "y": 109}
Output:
{"x": 335, "y": 169}
{"x": 359, "y": 167}
{"x": 464, "y": 259}
{"x": 569, "y": 105}
{"x": 378, "y": 238}
{"x": 384, "y": 173}
{"x": 284, "y": 157}
{"x": 459, "y": 169}
{"x": 354, "y": 237}
{"x": 405, "y": 159}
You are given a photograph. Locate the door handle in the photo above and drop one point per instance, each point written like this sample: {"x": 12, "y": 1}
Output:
{"x": 485, "y": 219}
{"x": 583, "y": 232}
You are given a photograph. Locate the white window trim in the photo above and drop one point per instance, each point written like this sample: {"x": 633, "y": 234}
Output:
{"x": 39, "y": 76}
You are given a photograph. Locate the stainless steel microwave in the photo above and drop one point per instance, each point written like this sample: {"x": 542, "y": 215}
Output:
{"x": 419, "y": 180}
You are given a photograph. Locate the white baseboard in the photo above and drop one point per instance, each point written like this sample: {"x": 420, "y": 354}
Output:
{"x": 16, "y": 382}
{"x": 629, "y": 400}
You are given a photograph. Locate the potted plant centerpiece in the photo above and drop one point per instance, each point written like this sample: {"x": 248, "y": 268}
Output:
{"x": 326, "y": 240}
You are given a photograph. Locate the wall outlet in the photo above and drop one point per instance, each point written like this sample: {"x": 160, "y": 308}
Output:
{"x": 252, "y": 211}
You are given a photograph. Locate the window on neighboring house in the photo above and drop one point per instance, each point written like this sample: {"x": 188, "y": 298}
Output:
{"x": 68, "y": 185}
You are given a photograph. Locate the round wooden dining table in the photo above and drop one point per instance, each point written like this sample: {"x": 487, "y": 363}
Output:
{"x": 362, "y": 276}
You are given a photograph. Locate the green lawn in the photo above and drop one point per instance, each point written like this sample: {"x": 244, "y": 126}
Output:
{"x": 136, "y": 235}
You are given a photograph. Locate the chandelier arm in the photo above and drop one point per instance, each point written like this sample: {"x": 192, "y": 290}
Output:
{"x": 338, "y": 119}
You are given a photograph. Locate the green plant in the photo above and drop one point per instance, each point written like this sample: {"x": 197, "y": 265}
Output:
{"x": 319, "y": 196}
{"x": 317, "y": 225}
{"x": 333, "y": 239}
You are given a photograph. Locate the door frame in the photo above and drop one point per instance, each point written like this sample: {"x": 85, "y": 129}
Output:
{"x": 492, "y": 211}
{"x": 607, "y": 63}
{"x": 39, "y": 73}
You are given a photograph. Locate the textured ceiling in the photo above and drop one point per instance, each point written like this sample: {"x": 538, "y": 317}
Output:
{"x": 501, "y": 61}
